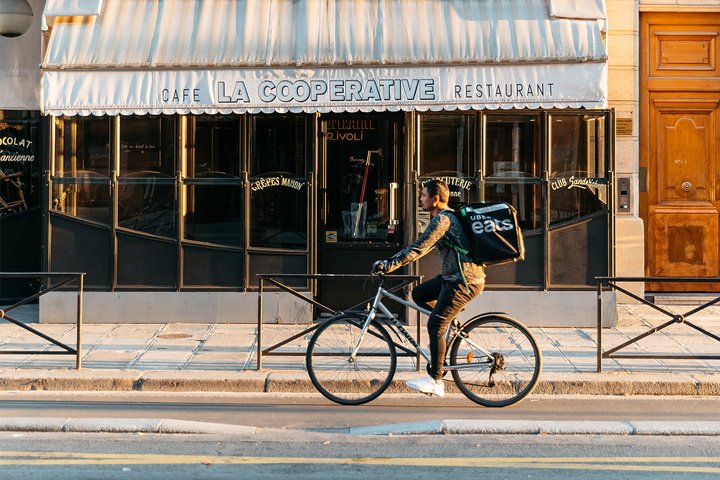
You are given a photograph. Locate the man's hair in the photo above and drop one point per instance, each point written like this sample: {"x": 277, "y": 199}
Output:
{"x": 439, "y": 188}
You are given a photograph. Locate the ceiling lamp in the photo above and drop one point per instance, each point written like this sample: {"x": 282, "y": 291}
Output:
{"x": 15, "y": 17}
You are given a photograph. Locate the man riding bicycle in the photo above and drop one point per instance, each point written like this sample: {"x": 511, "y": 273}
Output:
{"x": 460, "y": 280}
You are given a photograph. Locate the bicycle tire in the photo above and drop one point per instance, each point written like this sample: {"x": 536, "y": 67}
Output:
{"x": 343, "y": 381}
{"x": 517, "y": 360}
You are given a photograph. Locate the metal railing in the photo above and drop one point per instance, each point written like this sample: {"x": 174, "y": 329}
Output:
{"x": 405, "y": 281}
{"x": 64, "y": 280}
{"x": 612, "y": 284}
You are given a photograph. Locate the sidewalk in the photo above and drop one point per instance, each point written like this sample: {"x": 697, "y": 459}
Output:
{"x": 222, "y": 357}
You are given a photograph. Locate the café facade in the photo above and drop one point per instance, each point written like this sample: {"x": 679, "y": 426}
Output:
{"x": 194, "y": 144}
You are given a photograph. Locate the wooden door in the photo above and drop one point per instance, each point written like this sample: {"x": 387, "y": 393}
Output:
{"x": 680, "y": 101}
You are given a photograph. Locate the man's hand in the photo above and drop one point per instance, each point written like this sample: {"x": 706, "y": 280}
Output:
{"x": 379, "y": 267}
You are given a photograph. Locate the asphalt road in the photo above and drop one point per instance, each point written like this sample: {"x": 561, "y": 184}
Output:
{"x": 311, "y": 411}
{"x": 303, "y": 455}
{"x": 299, "y": 439}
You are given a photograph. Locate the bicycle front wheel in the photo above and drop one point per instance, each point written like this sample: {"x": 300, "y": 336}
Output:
{"x": 342, "y": 378}
{"x": 498, "y": 361}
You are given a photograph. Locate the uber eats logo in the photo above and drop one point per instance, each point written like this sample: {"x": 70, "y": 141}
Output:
{"x": 482, "y": 224}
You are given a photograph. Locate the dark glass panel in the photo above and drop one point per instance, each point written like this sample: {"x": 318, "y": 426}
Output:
{"x": 212, "y": 267}
{"x": 146, "y": 262}
{"x": 361, "y": 181}
{"x": 83, "y": 146}
{"x": 579, "y": 252}
{"x": 526, "y": 273}
{"x": 577, "y": 145}
{"x": 147, "y": 145}
{"x": 148, "y": 206}
{"x": 578, "y": 177}
{"x": 277, "y": 263}
{"x": 278, "y": 196}
{"x": 90, "y": 201}
{"x": 446, "y": 144}
{"x": 214, "y": 214}
{"x": 279, "y": 145}
{"x": 20, "y": 166}
{"x": 279, "y": 212}
{"x": 80, "y": 247}
{"x": 214, "y": 146}
{"x": 512, "y": 147}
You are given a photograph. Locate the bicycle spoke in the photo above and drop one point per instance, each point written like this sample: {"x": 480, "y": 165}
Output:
{"x": 346, "y": 380}
{"x": 514, "y": 366}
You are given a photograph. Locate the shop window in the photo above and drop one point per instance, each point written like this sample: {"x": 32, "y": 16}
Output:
{"x": 278, "y": 183}
{"x": 81, "y": 180}
{"x": 146, "y": 185}
{"x": 446, "y": 149}
{"x": 213, "y": 210}
{"x": 361, "y": 185}
{"x": 19, "y": 165}
{"x": 214, "y": 214}
{"x": 147, "y": 146}
{"x": 213, "y": 147}
{"x": 513, "y": 166}
{"x": 89, "y": 201}
{"x": 578, "y": 166}
{"x": 82, "y": 147}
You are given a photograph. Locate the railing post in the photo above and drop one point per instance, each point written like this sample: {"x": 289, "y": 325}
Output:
{"x": 78, "y": 348}
{"x": 599, "y": 325}
{"x": 258, "y": 362}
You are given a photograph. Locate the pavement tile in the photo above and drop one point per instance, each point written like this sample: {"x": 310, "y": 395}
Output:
{"x": 162, "y": 359}
{"x": 110, "y": 359}
{"x": 217, "y": 361}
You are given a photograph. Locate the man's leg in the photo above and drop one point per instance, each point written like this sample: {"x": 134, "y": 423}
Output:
{"x": 453, "y": 297}
{"x": 427, "y": 292}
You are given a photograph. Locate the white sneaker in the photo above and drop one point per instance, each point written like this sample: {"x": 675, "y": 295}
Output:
{"x": 427, "y": 385}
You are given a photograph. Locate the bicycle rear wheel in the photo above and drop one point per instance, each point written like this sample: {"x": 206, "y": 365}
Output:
{"x": 499, "y": 361}
{"x": 342, "y": 379}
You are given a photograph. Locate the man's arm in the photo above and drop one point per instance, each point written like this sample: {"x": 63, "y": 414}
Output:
{"x": 434, "y": 232}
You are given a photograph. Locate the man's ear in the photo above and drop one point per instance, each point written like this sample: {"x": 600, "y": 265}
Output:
{"x": 436, "y": 200}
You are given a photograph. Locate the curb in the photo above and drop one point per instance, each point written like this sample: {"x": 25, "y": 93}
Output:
{"x": 121, "y": 425}
{"x": 531, "y": 427}
{"x": 432, "y": 427}
{"x": 295, "y": 381}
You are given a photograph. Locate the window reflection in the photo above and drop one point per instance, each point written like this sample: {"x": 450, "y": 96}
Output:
{"x": 213, "y": 146}
{"x": 446, "y": 143}
{"x": 147, "y": 145}
{"x": 279, "y": 213}
{"x": 446, "y": 149}
{"x": 146, "y": 187}
{"x": 81, "y": 180}
{"x": 577, "y": 144}
{"x": 90, "y": 201}
{"x": 578, "y": 184}
{"x": 278, "y": 196}
{"x": 512, "y": 147}
{"x": 82, "y": 146}
{"x": 279, "y": 145}
{"x": 147, "y": 206}
{"x": 214, "y": 214}
{"x": 361, "y": 184}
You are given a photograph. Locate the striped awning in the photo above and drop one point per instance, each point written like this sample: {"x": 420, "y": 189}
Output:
{"x": 208, "y": 56}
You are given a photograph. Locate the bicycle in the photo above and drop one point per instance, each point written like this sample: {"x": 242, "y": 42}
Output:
{"x": 351, "y": 358}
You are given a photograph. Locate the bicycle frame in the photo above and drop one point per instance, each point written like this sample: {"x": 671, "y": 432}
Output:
{"x": 452, "y": 332}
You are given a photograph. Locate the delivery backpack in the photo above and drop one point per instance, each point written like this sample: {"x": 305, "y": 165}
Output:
{"x": 493, "y": 231}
